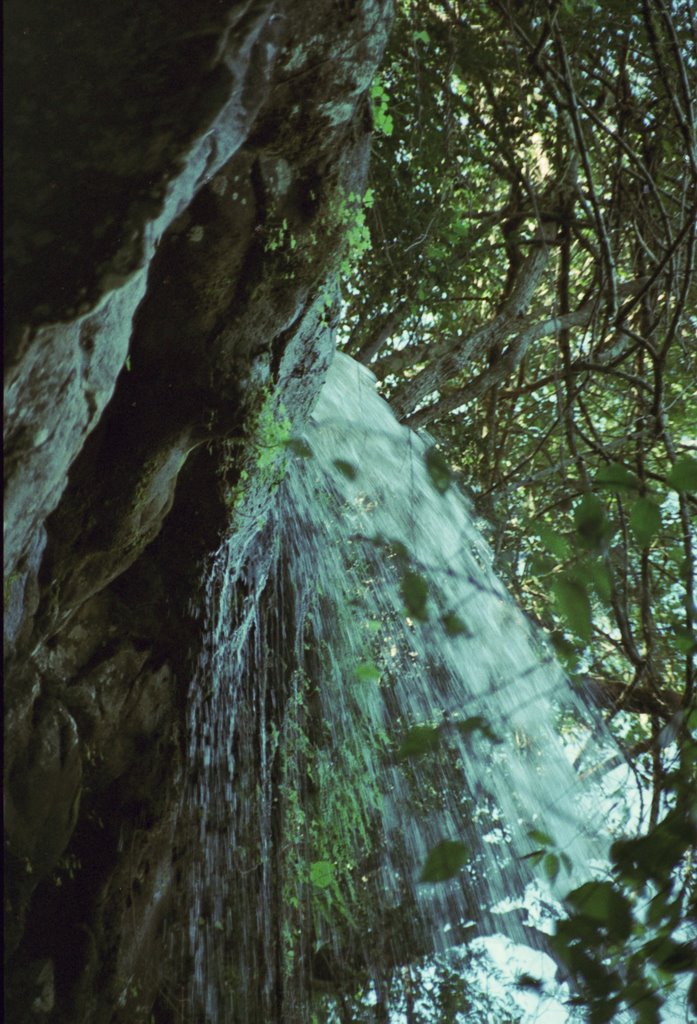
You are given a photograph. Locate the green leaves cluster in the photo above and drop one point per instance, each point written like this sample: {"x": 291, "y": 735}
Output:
{"x": 626, "y": 940}
{"x": 427, "y": 738}
{"x": 582, "y": 562}
{"x": 379, "y": 100}
{"x": 351, "y": 214}
{"x": 444, "y": 861}
{"x": 548, "y": 855}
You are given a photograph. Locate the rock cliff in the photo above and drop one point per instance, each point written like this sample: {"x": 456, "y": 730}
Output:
{"x": 178, "y": 179}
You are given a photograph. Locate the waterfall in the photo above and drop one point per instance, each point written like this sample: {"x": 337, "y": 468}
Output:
{"x": 379, "y": 741}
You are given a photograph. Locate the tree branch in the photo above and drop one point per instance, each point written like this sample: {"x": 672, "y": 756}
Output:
{"x": 412, "y": 392}
{"x": 619, "y": 696}
{"x": 511, "y": 359}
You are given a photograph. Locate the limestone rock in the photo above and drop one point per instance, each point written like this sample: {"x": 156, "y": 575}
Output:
{"x": 174, "y": 172}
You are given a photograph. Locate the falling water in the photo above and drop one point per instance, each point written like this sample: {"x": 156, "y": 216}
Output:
{"x": 368, "y": 693}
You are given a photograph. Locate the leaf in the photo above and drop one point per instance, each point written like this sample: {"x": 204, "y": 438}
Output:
{"x": 592, "y": 898}
{"x": 645, "y": 520}
{"x": 395, "y": 548}
{"x": 655, "y": 855}
{"x": 574, "y": 605}
{"x": 551, "y": 866}
{"x": 386, "y": 124}
{"x": 657, "y": 908}
{"x": 454, "y": 626}
{"x": 542, "y": 565}
{"x": 382, "y": 120}
{"x": 367, "y": 672}
{"x": 685, "y": 639}
{"x": 538, "y": 836}
{"x": 438, "y": 470}
{"x": 683, "y": 475}
{"x": 422, "y": 37}
{"x": 602, "y": 902}
{"x": 617, "y": 477}
{"x": 674, "y": 957}
{"x": 594, "y": 573}
{"x": 444, "y": 861}
{"x": 420, "y": 739}
{"x": 321, "y": 873}
{"x": 528, "y": 981}
{"x": 553, "y": 541}
{"x": 299, "y": 447}
{"x": 566, "y": 651}
{"x": 602, "y": 1011}
{"x": 347, "y": 469}
{"x": 581, "y": 929}
{"x": 599, "y": 576}
{"x": 477, "y": 723}
{"x": 590, "y": 520}
{"x": 474, "y": 59}
{"x": 567, "y": 862}
{"x": 414, "y": 592}
{"x": 645, "y": 1001}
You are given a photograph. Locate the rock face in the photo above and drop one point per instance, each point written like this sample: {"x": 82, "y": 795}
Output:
{"x": 177, "y": 184}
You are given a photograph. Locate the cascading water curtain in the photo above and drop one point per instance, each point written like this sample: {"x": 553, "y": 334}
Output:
{"x": 377, "y": 739}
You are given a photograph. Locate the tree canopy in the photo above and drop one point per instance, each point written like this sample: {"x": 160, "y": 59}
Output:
{"x": 529, "y": 297}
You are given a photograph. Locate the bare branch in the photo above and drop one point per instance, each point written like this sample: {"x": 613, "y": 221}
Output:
{"x": 511, "y": 359}
{"x": 464, "y": 350}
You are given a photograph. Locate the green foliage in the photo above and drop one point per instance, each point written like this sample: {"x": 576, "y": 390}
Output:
{"x": 603, "y": 903}
{"x": 280, "y": 238}
{"x": 548, "y": 855}
{"x": 617, "y": 477}
{"x": 454, "y": 625}
{"x": 683, "y": 475}
{"x": 510, "y": 121}
{"x": 382, "y": 120}
{"x": 438, "y": 470}
{"x": 367, "y": 672}
{"x": 444, "y": 860}
{"x": 414, "y": 590}
{"x": 477, "y": 723}
{"x": 272, "y": 434}
{"x": 346, "y": 469}
{"x": 625, "y": 940}
{"x": 574, "y": 605}
{"x": 350, "y": 215}
{"x": 321, "y": 873}
{"x": 645, "y": 521}
{"x": 553, "y": 541}
{"x": 298, "y": 447}
{"x": 265, "y": 451}
{"x": 421, "y": 739}
{"x": 591, "y": 522}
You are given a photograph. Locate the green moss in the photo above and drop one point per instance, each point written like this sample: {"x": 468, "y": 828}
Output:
{"x": 328, "y": 832}
{"x": 265, "y": 453}
{"x": 7, "y": 585}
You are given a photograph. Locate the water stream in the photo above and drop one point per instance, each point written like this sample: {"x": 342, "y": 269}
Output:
{"x": 368, "y": 693}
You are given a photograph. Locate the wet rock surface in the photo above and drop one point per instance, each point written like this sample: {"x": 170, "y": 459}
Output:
{"x": 174, "y": 173}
